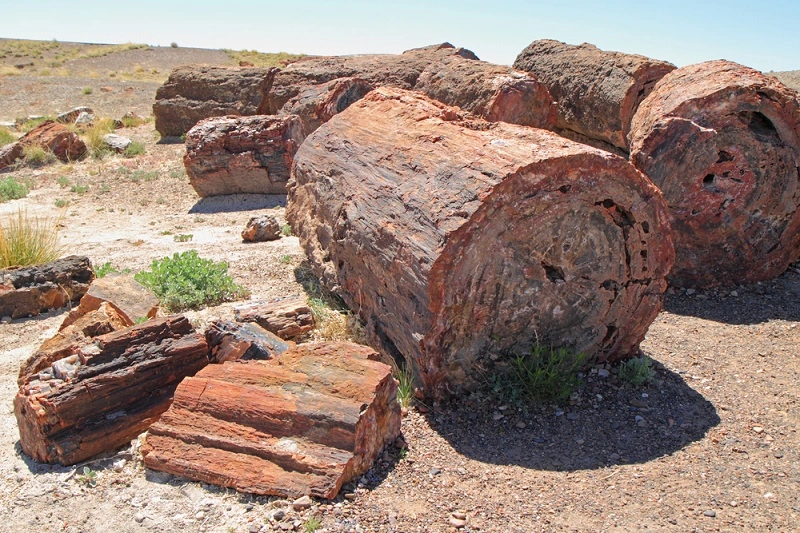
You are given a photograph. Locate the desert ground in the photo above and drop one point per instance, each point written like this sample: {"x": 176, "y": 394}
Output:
{"x": 711, "y": 444}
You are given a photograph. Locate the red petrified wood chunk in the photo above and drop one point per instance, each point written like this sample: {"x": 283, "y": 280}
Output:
{"x": 285, "y": 317}
{"x": 302, "y": 423}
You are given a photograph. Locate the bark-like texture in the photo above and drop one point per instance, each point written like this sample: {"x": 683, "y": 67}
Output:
{"x": 302, "y": 423}
{"x": 393, "y": 70}
{"x": 493, "y": 92}
{"x": 229, "y": 341}
{"x": 108, "y": 392}
{"x": 27, "y": 291}
{"x": 454, "y": 238}
{"x": 597, "y": 91}
{"x": 285, "y": 317}
{"x": 195, "y": 92}
{"x": 722, "y": 141}
{"x": 233, "y": 155}
{"x": 318, "y": 103}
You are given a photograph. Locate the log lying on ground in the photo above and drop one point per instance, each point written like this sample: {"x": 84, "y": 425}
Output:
{"x": 108, "y": 392}
{"x": 28, "y": 291}
{"x": 303, "y": 423}
{"x": 597, "y": 91}
{"x": 318, "y": 103}
{"x": 722, "y": 141}
{"x": 235, "y": 155}
{"x": 286, "y": 317}
{"x": 455, "y": 238}
{"x": 195, "y": 92}
{"x": 393, "y": 70}
{"x": 493, "y": 92}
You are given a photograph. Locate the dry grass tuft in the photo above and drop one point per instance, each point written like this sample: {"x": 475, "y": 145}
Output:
{"x": 25, "y": 240}
{"x": 260, "y": 59}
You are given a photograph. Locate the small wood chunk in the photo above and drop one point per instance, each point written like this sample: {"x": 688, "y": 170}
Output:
{"x": 131, "y": 299}
{"x": 229, "y": 341}
{"x": 285, "y": 317}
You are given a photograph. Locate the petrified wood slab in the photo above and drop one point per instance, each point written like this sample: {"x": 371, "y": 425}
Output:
{"x": 233, "y": 155}
{"x": 229, "y": 341}
{"x": 318, "y": 103}
{"x": 302, "y": 423}
{"x": 493, "y": 92}
{"x": 286, "y": 317}
{"x": 27, "y": 291}
{"x": 108, "y": 392}
{"x": 57, "y": 138}
{"x": 455, "y": 238}
{"x": 132, "y": 300}
{"x": 722, "y": 141}
{"x": 597, "y": 91}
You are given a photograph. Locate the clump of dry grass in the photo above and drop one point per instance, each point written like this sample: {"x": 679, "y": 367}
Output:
{"x": 93, "y": 137}
{"x": 260, "y": 59}
{"x": 37, "y": 156}
{"x": 6, "y": 137}
{"x": 25, "y": 240}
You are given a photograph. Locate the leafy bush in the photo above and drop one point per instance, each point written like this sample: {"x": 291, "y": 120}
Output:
{"x": 637, "y": 371}
{"x": 187, "y": 281}
{"x": 28, "y": 241}
{"x": 6, "y": 137}
{"x": 11, "y": 189}
{"x": 544, "y": 374}
{"x": 37, "y": 156}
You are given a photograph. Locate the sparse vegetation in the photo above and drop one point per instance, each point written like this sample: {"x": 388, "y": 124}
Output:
{"x": 6, "y": 137}
{"x": 87, "y": 90}
{"x": 12, "y": 189}
{"x": 106, "y": 268}
{"x": 34, "y": 123}
{"x": 286, "y": 230}
{"x": 183, "y": 237}
{"x": 63, "y": 182}
{"x": 143, "y": 175}
{"x": 93, "y": 136}
{"x": 312, "y": 524}
{"x": 637, "y": 371}
{"x": 259, "y": 59}
{"x": 88, "y": 477}
{"x": 405, "y": 386}
{"x": 134, "y": 149}
{"x": 79, "y": 189}
{"x": 25, "y": 240}
{"x": 61, "y": 203}
{"x": 37, "y": 156}
{"x": 132, "y": 121}
{"x": 286, "y": 259}
{"x": 187, "y": 281}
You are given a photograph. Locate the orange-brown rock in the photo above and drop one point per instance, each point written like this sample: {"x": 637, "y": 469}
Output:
{"x": 493, "y": 92}
{"x": 722, "y": 141}
{"x": 302, "y": 423}
{"x": 10, "y": 154}
{"x": 318, "y": 103}
{"x": 131, "y": 300}
{"x": 27, "y": 291}
{"x": 229, "y": 341}
{"x": 286, "y": 317}
{"x": 233, "y": 155}
{"x": 456, "y": 238}
{"x": 108, "y": 392}
{"x": 57, "y": 138}
{"x": 196, "y": 92}
{"x": 597, "y": 91}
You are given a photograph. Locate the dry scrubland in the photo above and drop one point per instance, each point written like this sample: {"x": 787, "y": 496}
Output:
{"x": 711, "y": 444}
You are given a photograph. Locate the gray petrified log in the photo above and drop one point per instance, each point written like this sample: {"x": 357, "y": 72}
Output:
{"x": 597, "y": 91}
{"x": 722, "y": 141}
{"x": 455, "y": 238}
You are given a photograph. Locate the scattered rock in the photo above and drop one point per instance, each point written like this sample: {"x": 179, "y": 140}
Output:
{"x": 84, "y": 119}
{"x": 118, "y": 143}
{"x": 285, "y": 317}
{"x": 10, "y": 154}
{"x": 302, "y": 503}
{"x": 710, "y": 513}
{"x": 71, "y": 116}
{"x": 262, "y": 228}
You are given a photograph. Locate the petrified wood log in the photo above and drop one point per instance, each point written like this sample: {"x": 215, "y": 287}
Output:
{"x": 493, "y": 92}
{"x": 108, "y": 392}
{"x": 393, "y": 70}
{"x": 722, "y": 141}
{"x": 131, "y": 300}
{"x": 285, "y": 317}
{"x": 232, "y": 155}
{"x": 318, "y": 103}
{"x": 455, "y": 238}
{"x": 302, "y": 423}
{"x": 194, "y": 92}
{"x": 57, "y": 138}
{"x": 27, "y": 291}
{"x": 597, "y": 91}
{"x": 229, "y": 341}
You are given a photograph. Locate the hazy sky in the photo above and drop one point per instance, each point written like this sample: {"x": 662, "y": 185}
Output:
{"x": 764, "y": 34}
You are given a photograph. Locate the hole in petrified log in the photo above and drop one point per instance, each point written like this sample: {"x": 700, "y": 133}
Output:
{"x": 554, "y": 274}
{"x": 646, "y": 227}
{"x": 724, "y": 157}
{"x": 564, "y": 189}
{"x": 387, "y": 344}
{"x": 350, "y": 96}
{"x": 709, "y": 183}
{"x": 760, "y": 126}
{"x": 611, "y": 285}
{"x": 725, "y": 203}
{"x": 611, "y": 332}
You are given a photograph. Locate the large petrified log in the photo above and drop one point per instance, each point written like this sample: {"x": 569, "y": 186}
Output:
{"x": 393, "y": 70}
{"x": 27, "y": 291}
{"x": 194, "y": 92}
{"x": 722, "y": 141}
{"x": 108, "y": 392}
{"x": 597, "y": 91}
{"x": 318, "y": 103}
{"x": 302, "y": 423}
{"x": 493, "y": 92}
{"x": 232, "y": 155}
{"x": 455, "y": 238}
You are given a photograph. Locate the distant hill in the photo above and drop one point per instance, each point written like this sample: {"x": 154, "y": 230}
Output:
{"x": 790, "y": 78}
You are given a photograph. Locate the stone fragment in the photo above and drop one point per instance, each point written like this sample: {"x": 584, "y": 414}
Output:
{"x": 262, "y": 228}
{"x": 10, "y": 154}
{"x": 302, "y": 423}
{"x": 286, "y": 317}
{"x": 302, "y": 503}
{"x": 232, "y": 155}
{"x": 318, "y": 103}
{"x": 229, "y": 341}
{"x": 71, "y": 116}
{"x": 132, "y": 300}
{"x": 118, "y": 143}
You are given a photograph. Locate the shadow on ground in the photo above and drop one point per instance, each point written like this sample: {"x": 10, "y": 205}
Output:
{"x": 621, "y": 428}
{"x": 237, "y": 202}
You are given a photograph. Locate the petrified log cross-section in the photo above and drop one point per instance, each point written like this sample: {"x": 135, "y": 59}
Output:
{"x": 108, "y": 392}
{"x": 454, "y": 237}
{"x": 597, "y": 91}
{"x": 304, "y": 422}
{"x": 722, "y": 141}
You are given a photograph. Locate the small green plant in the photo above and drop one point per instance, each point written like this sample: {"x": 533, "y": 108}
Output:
{"x": 60, "y": 202}
{"x": 286, "y": 259}
{"x": 543, "y": 374}
{"x": 134, "y": 149}
{"x": 187, "y": 281}
{"x": 637, "y": 371}
{"x": 11, "y": 189}
{"x": 286, "y": 230}
{"x": 107, "y": 268}
{"x": 63, "y": 182}
{"x": 87, "y": 90}
{"x": 183, "y": 237}
{"x": 28, "y": 241}
{"x": 141, "y": 320}
{"x": 88, "y": 477}
{"x": 177, "y": 173}
{"x": 143, "y": 175}
{"x": 312, "y": 524}
{"x": 6, "y": 137}
{"x": 79, "y": 189}
{"x": 183, "y": 137}
{"x": 37, "y": 156}
{"x": 405, "y": 386}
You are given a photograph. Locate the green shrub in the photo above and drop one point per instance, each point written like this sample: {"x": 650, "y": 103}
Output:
{"x": 87, "y": 90}
{"x": 28, "y": 241}
{"x": 63, "y": 182}
{"x": 187, "y": 281}
{"x": 405, "y": 386}
{"x": 544, "y": 374}
{"x": 106, "y": 268}
{"x": 11, "y": 189}
{"x": 134, "y": 149}
{"x": 79, "y": 189}
{"x": 6, "y": 137}
{"x": 143, "y": 175}
{"x": 637, "y": 371}
{"x": 286, "y": 230}
{"x": 37, "y": 156}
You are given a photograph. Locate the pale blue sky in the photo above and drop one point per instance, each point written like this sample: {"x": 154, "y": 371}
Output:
{"x": 763, "y": 34}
